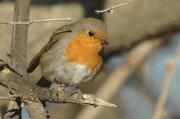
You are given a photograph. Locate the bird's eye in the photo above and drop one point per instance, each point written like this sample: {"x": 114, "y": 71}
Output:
{"x": 90, "y": 33}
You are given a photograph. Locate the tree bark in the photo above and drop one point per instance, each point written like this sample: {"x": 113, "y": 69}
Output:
{"x": 19, "y": 36}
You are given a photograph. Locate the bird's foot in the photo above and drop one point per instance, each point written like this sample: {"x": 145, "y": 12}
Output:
{"x": 57, "y": 87}
{"x": 57, "y": 91}
{"x": 76, "y": 91}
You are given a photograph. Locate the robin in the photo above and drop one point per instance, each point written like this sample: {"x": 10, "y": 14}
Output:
{"x": 73, "y": 54}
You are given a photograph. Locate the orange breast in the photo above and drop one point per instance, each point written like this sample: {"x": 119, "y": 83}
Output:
{"x": 83, "y": 49}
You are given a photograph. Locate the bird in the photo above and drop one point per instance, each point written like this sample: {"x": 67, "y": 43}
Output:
{"x": 73, "y": 54}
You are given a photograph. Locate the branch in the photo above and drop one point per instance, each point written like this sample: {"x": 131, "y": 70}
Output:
{"x": 171, "y": 66}
{"x": 34, "y": 93}
{"x": 18, "y": 44}
{"x": 161, "y": 33}
{"x": 34, "y": 21}
{"x": 110, "y": 9}
{"x": 19, "y": 36}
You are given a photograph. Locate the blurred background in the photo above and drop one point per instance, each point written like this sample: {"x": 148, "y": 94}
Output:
{"x": 126, "y": 26}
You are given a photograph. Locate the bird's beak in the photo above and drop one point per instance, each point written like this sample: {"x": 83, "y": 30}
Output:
{"x": 104, "y": 42}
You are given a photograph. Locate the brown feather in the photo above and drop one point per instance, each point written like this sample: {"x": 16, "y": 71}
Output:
{"x": 58, "y": 33}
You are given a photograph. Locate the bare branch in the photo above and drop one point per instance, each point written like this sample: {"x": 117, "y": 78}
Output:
{"x": 110, "y": 9}
{"x": 159, "y": 112}
{"x": 18, "y": 44}
{"x": 19, "y": 36}
{"x": 34, "y": 21}
{"x": 50, "y": 20}
{"x": 35, "y": 93}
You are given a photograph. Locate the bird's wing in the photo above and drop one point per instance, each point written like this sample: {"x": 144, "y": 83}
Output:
{"x": 56, "y": 36}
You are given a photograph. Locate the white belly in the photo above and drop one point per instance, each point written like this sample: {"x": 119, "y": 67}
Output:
{"x": 69, "y": 74}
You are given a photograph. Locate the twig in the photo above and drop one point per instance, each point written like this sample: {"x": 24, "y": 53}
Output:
{"x": 159, "y": 112}
{"x": 110, "y": 9}
{"x": 120, "y": 75}
{"x": 50, "y": 20}
{"x": 35, "y": 21}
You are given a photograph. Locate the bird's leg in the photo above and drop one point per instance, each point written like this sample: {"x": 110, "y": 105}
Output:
{"x": 57, "y": 91}
{"x": 57, "y": 87}
{"x": 76, "y": 90}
